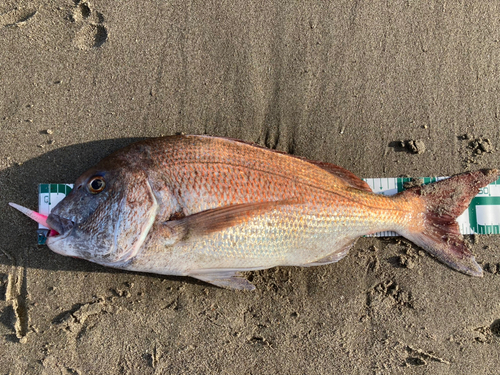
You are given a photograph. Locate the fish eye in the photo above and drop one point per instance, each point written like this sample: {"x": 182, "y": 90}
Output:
{"x": 96, "y": 184}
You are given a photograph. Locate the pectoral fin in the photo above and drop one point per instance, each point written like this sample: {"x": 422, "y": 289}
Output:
{"x": 217, "y": 219}
{"x": 227, "y": 279}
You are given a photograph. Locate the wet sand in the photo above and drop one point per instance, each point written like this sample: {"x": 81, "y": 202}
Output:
{"x": 382, "y": 89}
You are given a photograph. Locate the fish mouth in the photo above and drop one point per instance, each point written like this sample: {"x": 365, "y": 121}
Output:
{"x": 60, "y": 225}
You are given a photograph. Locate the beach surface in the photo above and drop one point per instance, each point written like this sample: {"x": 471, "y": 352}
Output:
{"x": 383, "y": 89}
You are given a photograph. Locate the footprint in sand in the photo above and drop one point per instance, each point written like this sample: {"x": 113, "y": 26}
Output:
{"x": 17, "y": 17}
{"x": 92, "y": 34}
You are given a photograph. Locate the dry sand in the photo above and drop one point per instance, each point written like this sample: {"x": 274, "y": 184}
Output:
{"x": 380, "y": 88}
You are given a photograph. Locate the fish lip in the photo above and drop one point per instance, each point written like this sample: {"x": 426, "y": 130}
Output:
{"x": 60, "y": 224}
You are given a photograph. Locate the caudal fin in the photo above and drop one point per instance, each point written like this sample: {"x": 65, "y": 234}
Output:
{"x": 444, "y": 201}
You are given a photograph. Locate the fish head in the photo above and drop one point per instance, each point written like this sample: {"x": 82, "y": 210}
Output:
{"x": 106, "y": 217}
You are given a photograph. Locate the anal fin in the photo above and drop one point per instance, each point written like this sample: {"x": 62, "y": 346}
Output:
{"x": 226, "y": 279}
{"x": 331, "y": 258}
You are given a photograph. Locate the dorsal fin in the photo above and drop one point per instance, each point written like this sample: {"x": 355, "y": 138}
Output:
{"x": 348, "y": 177}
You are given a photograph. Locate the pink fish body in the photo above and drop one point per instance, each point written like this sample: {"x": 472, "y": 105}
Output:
{"x": 211, "y": 207}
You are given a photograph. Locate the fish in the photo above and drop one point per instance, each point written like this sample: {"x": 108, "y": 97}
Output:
{"x": 212, "y": 208}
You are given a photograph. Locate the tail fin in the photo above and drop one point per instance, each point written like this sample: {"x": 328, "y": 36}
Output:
{"x": 444, "y": 201}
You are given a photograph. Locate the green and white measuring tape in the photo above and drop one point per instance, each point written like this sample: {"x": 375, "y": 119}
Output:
{"x": 482, "y": 216}
{"x": 49, "y": 195}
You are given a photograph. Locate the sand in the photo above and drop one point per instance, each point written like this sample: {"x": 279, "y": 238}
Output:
{"x": 383, "y": 89}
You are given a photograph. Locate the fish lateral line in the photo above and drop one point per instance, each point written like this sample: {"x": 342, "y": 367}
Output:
{"x": 287, "y": 177}
{"x": 345, "y": 194}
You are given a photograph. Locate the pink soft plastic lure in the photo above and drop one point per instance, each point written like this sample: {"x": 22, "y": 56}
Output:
{"x": 39, "y": 218}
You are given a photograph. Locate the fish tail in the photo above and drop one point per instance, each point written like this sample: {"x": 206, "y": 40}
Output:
{"x": 437, "y": 231}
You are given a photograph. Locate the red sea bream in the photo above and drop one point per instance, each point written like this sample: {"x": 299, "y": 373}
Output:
{"x": 211, "y": 207}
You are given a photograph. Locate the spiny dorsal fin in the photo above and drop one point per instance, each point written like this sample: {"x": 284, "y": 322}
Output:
{"x": 348, "y": 177}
